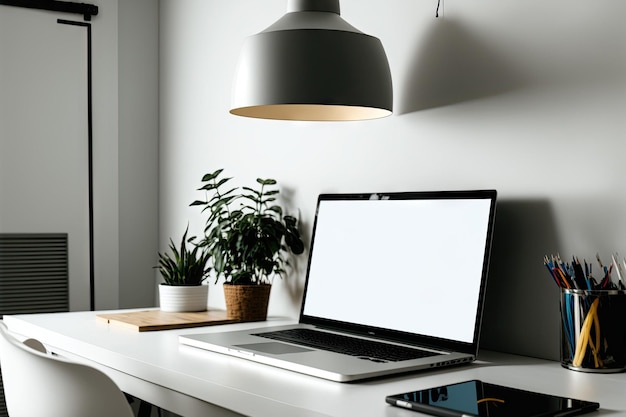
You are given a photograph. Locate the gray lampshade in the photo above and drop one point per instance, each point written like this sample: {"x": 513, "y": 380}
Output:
{"x": 312, "y": 65}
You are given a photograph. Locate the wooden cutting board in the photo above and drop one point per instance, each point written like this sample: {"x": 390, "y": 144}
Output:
{"x": 150, "y": 320}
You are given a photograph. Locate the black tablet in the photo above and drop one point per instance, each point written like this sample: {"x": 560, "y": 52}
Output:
{"x": 477, "y": 398}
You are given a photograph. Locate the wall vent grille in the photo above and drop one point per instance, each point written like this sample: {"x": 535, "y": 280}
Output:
{"x": 34, "y": 277}
{"x": 33, "y": 273}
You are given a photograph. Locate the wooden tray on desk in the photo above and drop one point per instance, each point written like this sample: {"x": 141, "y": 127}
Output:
{"x": 151, "y": 320}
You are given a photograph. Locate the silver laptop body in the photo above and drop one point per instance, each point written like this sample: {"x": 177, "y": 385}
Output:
{"x": 403, "y": 269}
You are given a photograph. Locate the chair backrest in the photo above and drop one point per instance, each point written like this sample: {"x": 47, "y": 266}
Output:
{"x": 39, "y": 384}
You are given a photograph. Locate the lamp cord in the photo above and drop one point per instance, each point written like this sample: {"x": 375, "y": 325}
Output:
{"x": 439, "y": 5}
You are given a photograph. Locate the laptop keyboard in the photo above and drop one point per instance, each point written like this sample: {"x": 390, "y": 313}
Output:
{"x": 362, "y": 348}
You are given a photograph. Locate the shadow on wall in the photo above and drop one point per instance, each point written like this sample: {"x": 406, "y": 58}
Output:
{"x": 452, "y": 66}
{"x": 296, "y": 264}
{"x": 521, "y": 313}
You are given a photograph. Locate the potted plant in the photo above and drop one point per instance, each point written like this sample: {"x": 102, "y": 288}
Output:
{"x": 250, "y": 241}
{"x": 183, "y": 273}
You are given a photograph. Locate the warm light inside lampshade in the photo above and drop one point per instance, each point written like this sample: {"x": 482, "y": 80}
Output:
{"x": 311, "y": 112}
{"x": 312, "y": 65}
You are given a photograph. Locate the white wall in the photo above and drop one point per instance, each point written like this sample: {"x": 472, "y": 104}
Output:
{"x": 125, "y": 94}
{"x": 105, "y": 150}
{"x": 138, "y": 69}
{"x": 125, "y": 154}
{"x": 125, "y": 63}
{"x": 525, "y": 97}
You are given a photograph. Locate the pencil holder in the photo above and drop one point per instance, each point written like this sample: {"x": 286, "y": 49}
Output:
{"x": 593, "y": 330}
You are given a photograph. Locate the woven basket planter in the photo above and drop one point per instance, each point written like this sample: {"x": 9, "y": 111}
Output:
{"x": 247, "y": 302}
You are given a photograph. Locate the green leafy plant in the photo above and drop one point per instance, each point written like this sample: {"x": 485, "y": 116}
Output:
{"x": 187, "y": 265}
{"x": 248, "y": 236}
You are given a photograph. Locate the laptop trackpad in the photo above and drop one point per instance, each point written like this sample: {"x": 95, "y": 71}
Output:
{"x": 275, "y": 348}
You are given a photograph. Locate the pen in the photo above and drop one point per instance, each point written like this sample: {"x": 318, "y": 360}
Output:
{"x": 603, "y": 281}
{"x": 599, "y": 261}
{"x": 579, "y": 275}
{"x": 552, "y": 273}
{"x": 620, "y": 283}
{"x": 587, "y": 274}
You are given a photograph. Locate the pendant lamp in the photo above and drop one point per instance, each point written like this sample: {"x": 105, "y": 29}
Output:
{"x": 312, "y": 65}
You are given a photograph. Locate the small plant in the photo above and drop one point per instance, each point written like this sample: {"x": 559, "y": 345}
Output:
{"x": 246, "y": 232}
{"x": 186, "y": 266}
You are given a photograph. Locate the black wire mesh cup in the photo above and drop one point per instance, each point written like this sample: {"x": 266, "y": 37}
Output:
{"x": 593, "y": 330}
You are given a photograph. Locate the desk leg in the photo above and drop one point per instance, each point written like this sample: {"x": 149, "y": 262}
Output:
{"x": 145, "y": 409}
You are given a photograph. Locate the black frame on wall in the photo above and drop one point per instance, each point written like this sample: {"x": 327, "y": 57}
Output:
{"x": 87, "y": 26}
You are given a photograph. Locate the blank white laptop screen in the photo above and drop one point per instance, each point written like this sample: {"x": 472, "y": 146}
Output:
{"x": 407, "y": 256}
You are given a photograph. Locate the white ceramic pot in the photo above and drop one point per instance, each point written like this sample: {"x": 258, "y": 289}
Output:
{"x": 180, "y": 298}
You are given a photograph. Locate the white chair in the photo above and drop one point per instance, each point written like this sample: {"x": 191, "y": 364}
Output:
{"x": 39, "y": 384}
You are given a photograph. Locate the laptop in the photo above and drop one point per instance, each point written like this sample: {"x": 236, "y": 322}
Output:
{"x": 395, "y": 283}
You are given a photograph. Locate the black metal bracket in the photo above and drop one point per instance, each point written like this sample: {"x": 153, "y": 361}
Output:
{"x": 87, "y": 10}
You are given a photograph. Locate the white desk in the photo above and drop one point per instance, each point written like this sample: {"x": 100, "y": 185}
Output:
{"x": 192, "y": 382}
